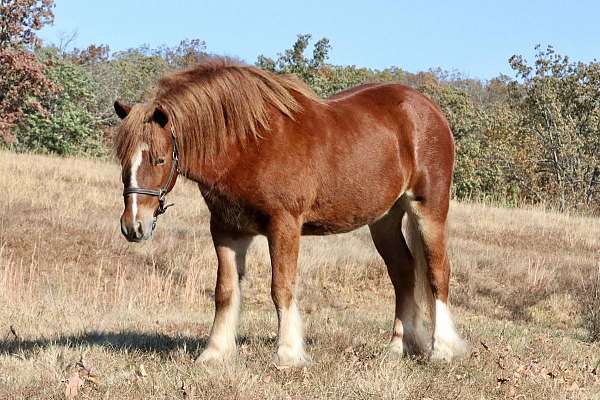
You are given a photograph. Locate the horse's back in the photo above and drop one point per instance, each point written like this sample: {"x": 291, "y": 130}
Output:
{"x": 423, "y": 133}
{"x": 343, "y": 163}
{"x": 375, "y": 143}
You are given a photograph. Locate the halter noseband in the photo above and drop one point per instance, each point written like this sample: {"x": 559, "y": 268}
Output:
{"x": 162, "y": 192}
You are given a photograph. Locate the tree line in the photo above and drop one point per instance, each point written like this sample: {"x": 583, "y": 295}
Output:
{"x": 530, "y": 138}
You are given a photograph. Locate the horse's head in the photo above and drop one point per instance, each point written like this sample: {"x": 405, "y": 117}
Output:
{"x": 148, "y": 153}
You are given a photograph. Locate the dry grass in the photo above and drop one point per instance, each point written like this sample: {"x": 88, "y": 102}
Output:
{"x": 590, "y": 306}
{"x": 71, "y": 286}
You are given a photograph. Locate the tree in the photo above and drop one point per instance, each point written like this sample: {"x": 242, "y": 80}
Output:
{"x": 293, "y": 61}
{"x": 22, "y": 76}
{"x": 559, "y": 107}
{"x": 129, "y": 76}
{"x": 91, "y": 55}
{"x": 70, "y": 127}
{"x": 186, "y": 54}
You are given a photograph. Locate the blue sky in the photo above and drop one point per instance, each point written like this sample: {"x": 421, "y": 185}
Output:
{"x": 473, "y": 37}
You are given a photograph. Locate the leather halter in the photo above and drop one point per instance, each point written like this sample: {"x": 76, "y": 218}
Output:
{"x": 162, "y": 192}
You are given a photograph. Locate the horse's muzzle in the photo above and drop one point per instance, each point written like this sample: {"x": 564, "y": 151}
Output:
{"x": 138, "y": 230}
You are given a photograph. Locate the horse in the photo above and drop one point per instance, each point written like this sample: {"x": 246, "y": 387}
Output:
{"x": 272, "y": 158}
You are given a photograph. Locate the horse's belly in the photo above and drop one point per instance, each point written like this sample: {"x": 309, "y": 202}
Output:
{"x": 344, "y": 218}
{"x": 329, "y": 228}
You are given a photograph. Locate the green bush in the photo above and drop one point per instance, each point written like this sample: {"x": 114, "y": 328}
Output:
{"x": 70, "y": 126}
{"x": 533, "y": 139}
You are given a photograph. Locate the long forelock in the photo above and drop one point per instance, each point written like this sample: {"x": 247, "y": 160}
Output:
{"x": 134, "y": 131}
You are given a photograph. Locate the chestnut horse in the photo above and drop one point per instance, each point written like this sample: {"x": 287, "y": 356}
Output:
{"x": 271, "y": 158}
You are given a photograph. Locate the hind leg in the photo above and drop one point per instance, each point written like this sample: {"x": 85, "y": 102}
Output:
{"x": 409, "y": 334}
{"x": 432, "y": 229}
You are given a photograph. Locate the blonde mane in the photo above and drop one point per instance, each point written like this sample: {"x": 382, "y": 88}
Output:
{"x": 210, "y": 105}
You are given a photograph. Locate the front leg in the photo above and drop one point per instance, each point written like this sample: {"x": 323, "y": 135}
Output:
{"x": 284, "y": 241}
{"x": 231, "y": 248}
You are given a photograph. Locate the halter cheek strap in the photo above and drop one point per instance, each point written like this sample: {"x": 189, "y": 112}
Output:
{"x": 162, "y": 192}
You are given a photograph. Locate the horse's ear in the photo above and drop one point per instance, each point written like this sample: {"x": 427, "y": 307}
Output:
{"x": 160, "y": 116}
{"x": 121, "y": 109}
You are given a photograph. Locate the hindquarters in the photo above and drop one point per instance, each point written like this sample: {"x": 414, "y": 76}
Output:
{"x": 420, "y": 269}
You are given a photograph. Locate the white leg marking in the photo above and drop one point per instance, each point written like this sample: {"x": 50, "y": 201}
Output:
{"x": 447, "y": 344}
{"x": 221, "y": 343}
{"x": 290, "y": 346}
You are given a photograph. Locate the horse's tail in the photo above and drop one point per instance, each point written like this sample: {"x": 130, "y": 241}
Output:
{"x": 423, "y": 293}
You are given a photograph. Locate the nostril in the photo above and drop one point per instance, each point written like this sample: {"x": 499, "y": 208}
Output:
{"x": 138, "y": 230}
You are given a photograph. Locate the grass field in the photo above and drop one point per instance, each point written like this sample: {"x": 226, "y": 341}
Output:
{"x": 72, "y": 289}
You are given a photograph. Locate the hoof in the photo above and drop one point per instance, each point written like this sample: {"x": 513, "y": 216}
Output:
{"x": 287, "y": 357}
{"x": 415, "y": 343}
{"x": 447, "y": 344}
{"x": 396, "y": 347}
{"x": 394, "y": 351}
{"x": 212, "y": 354}
{"x": 449, "y": 349}
{"x": 409, "y": 349}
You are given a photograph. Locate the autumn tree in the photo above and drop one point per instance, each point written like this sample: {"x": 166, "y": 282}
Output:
{"x": 71, "y": 125}
{"x": 188, "y": 53}
{"x": 22, "y": 76}
{"x": 91, "y": 55}
{"x": 558, "y": 102}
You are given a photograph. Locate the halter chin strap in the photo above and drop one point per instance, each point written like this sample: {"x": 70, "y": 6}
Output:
{"x": 162, "y": 192}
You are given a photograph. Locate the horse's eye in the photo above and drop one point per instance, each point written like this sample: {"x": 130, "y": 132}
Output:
{"x": 159, "y": 161}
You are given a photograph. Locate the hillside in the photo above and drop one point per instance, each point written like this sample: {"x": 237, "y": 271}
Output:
{"x": 138, "y": 314}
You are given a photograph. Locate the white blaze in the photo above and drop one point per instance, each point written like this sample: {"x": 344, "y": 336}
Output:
{"x": 135, "y": 164}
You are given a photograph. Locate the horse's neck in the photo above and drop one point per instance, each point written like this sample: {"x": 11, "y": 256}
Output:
{"x": 207, "y": 172}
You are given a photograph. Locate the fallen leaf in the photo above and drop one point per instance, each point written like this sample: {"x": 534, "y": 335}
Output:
{"x": 499, "y": 363}
{"x": 72, "y": 386}
{"x": 85, "y": 372}
{"x": 92, "y": 378}
{"x": 142, "y": 371}
{"x": 14, "y": 332}
{"x": 81, "y": 364}
{"x": 244, "y": 350}
{"x": 281, "y": 367}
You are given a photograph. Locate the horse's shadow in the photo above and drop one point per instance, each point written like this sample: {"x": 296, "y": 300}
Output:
{"x": 145, "y": 342}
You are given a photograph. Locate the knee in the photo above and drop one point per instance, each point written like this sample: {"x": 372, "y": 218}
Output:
{"x": 223, "y": 298}
{"x": 281, "y": 295}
